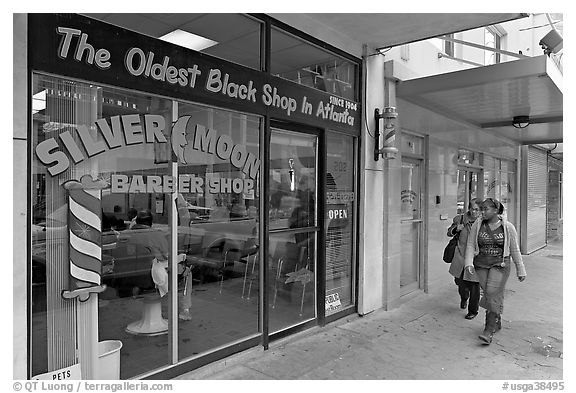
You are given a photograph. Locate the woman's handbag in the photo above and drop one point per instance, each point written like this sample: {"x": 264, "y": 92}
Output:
{"x": 451, "y": 246}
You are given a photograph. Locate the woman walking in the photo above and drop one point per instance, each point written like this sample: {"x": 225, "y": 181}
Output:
{"x": 468, "y": 286}
{"x": 491, "y": 243}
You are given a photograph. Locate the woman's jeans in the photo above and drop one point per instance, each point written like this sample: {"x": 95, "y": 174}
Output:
{"x": 493, "y": 282}
{"x": 470, "y": 291}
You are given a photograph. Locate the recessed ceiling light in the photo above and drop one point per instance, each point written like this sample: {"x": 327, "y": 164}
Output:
{"x": 188, "y": 40}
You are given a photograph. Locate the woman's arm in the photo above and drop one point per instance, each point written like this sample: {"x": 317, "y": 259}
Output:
{"x": 470, "y": 244}
{"x": 453, "y": 229}
{"x": 515, "y": 251}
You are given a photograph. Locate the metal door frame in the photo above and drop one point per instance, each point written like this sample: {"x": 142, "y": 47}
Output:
{"x": 320, "y": 285}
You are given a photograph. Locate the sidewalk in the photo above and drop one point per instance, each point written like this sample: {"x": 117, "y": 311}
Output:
{"x": 427, "y": 337}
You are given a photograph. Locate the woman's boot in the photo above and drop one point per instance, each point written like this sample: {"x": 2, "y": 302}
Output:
{"x": 489, "y": 328}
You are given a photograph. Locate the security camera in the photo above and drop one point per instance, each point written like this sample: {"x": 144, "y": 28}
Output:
{"x": 551, "y": 42}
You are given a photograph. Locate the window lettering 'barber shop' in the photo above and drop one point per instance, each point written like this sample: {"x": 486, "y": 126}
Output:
{"x": 138, "y": 184}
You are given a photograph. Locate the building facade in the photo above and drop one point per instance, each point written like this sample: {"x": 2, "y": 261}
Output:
{"x": 189, "y": 201}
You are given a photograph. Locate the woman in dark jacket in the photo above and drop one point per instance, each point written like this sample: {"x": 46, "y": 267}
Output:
{"x": 492, "y": 244}
{"x": 468, "y": 286}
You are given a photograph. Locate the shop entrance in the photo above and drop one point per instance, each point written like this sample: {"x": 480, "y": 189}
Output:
{"x": 293, "y": 226}
{"x": 411, "y": 224}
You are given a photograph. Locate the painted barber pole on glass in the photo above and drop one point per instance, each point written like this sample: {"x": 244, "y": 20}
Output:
{"x": 85, "y": 233}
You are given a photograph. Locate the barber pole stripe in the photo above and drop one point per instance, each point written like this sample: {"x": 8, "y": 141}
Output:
{"x": 84, "y": 224}
{"x": 390, "y": 138}
{"x": 84, "y": 215}
{"x": 84, "y": 261}
{"x": 83, "y": 275}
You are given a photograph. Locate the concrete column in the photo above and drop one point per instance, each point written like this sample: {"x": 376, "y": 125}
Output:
{"x": 20, "y": 218}
{"x": 391, "y": 208}
{"x": 371, "y": 286}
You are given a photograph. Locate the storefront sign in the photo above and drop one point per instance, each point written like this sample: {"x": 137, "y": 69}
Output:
{"x": 130, "y": 130}
{"x": 80, "y": 47}
{"x": 72, "y": 372}
{"x": 337, "y": 216}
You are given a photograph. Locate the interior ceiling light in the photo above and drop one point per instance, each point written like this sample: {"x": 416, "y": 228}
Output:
{"x": 521, "y": 121}
{"x": 188, "y": 40}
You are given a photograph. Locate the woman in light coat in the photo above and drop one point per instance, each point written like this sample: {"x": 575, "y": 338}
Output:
{"x": 492, "y": 242}
{"x": 468, "y": 286}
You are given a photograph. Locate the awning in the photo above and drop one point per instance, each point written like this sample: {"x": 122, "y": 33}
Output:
{"x": 490, "y": 97}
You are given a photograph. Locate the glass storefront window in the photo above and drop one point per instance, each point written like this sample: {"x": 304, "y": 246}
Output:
{"x": 340, "y": 208}
{"x": 467, "y": 189}
{"x": 299, "y": 61}
{"x": 218, "y": 230}
{"x": 489, "y": 177}
{"x": 122, "y": 232}
{"x": 66, "y": 118}
{"x": 499, "y": 183}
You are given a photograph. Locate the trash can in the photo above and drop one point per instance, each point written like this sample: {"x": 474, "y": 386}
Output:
{"x": 109, "y": 359}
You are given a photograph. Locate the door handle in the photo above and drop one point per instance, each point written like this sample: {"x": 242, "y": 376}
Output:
{"x": 411, "y": 220}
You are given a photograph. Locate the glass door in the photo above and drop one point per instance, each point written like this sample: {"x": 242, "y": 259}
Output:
{"x": 293, "y": 228}
{"x": 411, "y": 224}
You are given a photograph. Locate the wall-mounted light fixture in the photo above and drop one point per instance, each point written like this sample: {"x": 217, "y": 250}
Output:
{"x": 521, "y": 121}
{"x": 388, "y": 149}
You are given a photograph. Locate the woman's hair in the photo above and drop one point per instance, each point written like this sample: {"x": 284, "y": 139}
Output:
{"x": 474, "y": 201}
{"x": 494, "y": 202}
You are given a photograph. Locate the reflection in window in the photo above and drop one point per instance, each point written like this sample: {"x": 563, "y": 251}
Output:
{"x": 238, "y": 42}
{"x": 292, "y": 180}
{"x": 301, "y": 62}
{"x": 218, "y": 229}
{"x": 134, "y": 227}
{"x": 217, "y": 216}
{"x": 292, "y": 221}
